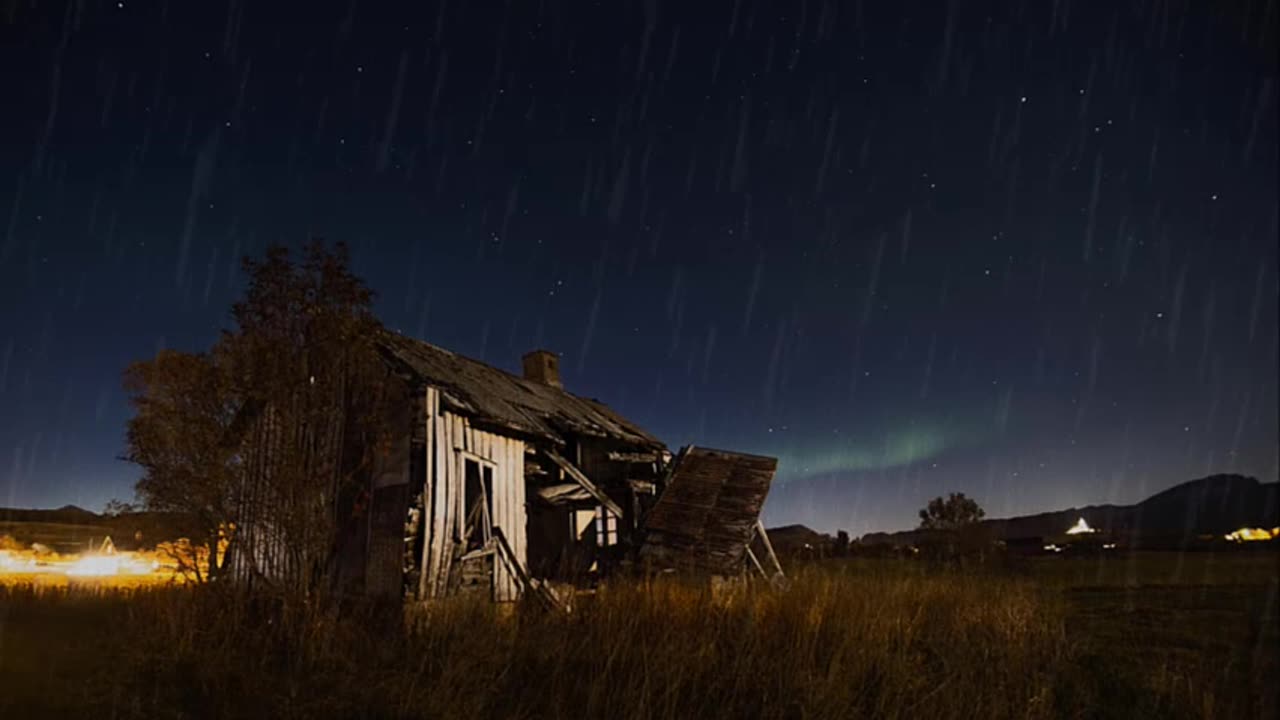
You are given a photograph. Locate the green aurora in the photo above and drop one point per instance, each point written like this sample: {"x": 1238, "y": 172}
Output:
{"x": 893, "y": 449}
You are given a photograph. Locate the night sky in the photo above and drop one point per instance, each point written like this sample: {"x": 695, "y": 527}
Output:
{"x": 1024, "y": 251}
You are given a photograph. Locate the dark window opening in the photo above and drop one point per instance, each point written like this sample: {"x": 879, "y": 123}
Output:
{"x": 477, "y": 503}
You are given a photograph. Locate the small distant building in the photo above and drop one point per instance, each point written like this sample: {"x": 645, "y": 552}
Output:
{"x": 794, "y": 542}
{"x": 1248, "y": 534}
{"x": 1081, "y": 528}
{"x": 1079, "y": 538}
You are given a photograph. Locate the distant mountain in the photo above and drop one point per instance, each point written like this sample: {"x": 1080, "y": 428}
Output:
{"x": 72, "y": 527}
{"x": 67, "y": 514}
{"x": 794, "y": 539}
{"x": 1212, "y": 505}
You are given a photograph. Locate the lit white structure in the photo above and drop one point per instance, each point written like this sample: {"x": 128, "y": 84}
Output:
{"x": 1081, "y": 527}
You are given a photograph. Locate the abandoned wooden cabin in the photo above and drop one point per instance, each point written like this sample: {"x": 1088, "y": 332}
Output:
{"x": 502, "y": 484}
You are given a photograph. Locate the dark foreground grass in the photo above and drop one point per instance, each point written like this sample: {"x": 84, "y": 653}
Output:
{"x": 881, "y": 640}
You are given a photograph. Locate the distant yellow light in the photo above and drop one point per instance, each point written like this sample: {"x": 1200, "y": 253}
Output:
{"x": 94, "y": 566}
{"x": 1246, "y": 534}
{"x": 105, "y": 563}
{"x": 11, "y": 563}
{"x": 109, "y": 565}
{"x": 1080, "y": 527}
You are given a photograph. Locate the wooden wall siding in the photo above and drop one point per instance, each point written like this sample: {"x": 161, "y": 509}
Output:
{"x": 260, "y": 550}
{"x": 429, "y": 410}
{"x": 384, "y": 568}
{"x": 451, "y": 440}
{"x": 609, "y": 465}
{"x": 384, "y": 573}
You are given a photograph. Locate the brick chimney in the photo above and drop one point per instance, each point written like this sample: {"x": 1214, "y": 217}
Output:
{"x": 542, "y": 366}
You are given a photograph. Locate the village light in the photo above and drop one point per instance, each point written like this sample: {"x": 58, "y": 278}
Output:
{"x": 1246, "y": 534}
{"x": 1081, "y": 527}
{"x": 106, "y": 562}
{"x": 10, "y": 563}
{"x": 109, "y": 566}
{"x": 94, "y": 566}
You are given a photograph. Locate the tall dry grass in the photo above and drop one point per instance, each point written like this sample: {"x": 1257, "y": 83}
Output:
{"x": 886, "y": 640}
{"x": 832, "y": 646}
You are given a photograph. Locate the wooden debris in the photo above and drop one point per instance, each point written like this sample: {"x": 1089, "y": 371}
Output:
{"x": 582, "y": 480}
{"x": 709, "y": 512}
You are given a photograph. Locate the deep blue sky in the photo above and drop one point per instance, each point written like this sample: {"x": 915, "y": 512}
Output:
{"x": 1025, "y": 251}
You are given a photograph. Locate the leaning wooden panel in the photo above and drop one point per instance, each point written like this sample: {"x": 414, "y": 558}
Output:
{"x": 705, "y": 518}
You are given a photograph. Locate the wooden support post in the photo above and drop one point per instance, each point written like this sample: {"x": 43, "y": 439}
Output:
{"x": 764, "y": 536}
{"x": 589, "y": 486}
{"x": 755, "y": 560}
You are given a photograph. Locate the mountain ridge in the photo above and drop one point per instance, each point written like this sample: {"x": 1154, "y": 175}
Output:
{"x": 1211, "y": 505}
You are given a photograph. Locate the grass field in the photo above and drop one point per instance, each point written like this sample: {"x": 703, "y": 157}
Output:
{"x": 63, "y": 536}
{"x": 1146, "y": 635}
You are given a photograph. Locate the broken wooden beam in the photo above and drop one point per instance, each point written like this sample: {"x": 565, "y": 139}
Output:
{"x": 634, "y": 457}
{"x": 564, "y": 493}
{"x": 522, "y": 576}
{"x": 643, "y": 487}
{"x": 586, "y": 483}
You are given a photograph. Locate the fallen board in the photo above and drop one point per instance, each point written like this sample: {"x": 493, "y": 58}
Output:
{"x": 707, "y": 515}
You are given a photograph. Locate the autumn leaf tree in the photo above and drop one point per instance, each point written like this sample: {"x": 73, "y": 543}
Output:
{"x": 180, "y": 435}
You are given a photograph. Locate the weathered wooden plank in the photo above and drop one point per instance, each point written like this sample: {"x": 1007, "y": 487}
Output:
{"x": 457, "y": 483}
{"x": 495, "y": 445}
{"x": 442, "y": 498}
{"x": 564, "y": 493}
{"x": 520, "y": 505}
{"x": 449, "y": 500}
{"x": 428, "y": 490}
{"x": 642, "y": 487}
{"x": 509, "y": 590}
{"x": 513, "y": 517}
{"x": 517, "y": 566}
{"x": 634, "y": 457}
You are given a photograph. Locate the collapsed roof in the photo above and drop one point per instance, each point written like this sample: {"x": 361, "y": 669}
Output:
{"x": 494, "y": 397}
{"x": 708, "y": 514}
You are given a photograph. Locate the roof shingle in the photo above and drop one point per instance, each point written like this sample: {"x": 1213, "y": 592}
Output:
{"x": 488, "y": 394}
